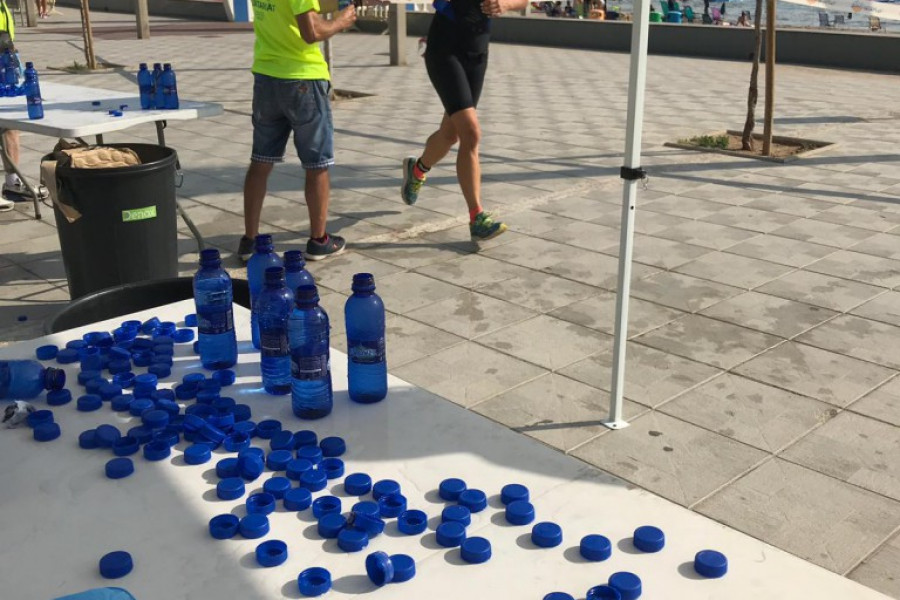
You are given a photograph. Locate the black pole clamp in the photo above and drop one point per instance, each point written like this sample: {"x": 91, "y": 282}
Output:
{"x": 632, "y": 174}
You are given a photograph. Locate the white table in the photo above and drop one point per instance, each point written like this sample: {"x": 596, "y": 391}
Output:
{"x": 69, "y": 111}
{"x": 60, "y": 514}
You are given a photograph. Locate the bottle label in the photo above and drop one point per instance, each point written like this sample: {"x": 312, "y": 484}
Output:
{"x": 273, "y": 343}
{"x": 308, "y": 368}
{"x": 215, "y": 322}
{"x": 366, "y": 352}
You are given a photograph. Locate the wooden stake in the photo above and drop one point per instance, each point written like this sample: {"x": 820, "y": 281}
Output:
{"x": 89, "y": 57}
{"x": 770, "y": 78}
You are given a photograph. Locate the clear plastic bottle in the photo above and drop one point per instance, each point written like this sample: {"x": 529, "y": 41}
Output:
{"x": 158, "y": 100}
{"x": 263, "y": 258}
{"x": 367, "y": 365}
{"x": 33, "y": 93}
{"x": 312, "y": 396}
{"x": 169, "y": 87}
{"x": 275, "y": 304}
{"x": 145, "y": 86}
{"x": 23, "y": 379}
{"x": 295, "y": 272}
{"x": 213, "y": 296}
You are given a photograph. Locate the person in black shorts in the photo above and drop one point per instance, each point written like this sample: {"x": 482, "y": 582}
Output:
{"x": 456, "y": 57}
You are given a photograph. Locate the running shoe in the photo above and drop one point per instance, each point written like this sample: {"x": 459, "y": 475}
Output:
{"x": 245, "y": 249}
{"x": 6, "y": 205}
{"x": 484, "y": 227}
{"x": 332, "y": 246}
{"x": 18, "y": 191}
{"x": 411, "y": 183}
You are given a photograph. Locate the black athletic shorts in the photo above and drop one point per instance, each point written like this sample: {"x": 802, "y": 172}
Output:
{"x": 456, "y": 62}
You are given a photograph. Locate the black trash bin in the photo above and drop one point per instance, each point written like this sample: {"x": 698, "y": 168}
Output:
{"x": 127, "y": 230}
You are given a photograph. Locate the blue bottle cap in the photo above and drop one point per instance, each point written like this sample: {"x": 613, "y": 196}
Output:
{"x": 48, "y": 352}
{"x": 352, "y": 540}
{"x": 212, "y": 433}
{"x": 119, "y": 353}
{"x": 125, "y": 446}
{"x": 412, "y": 522}
{"x": 649, "y": 539}
{"x": 142, "y": 359}
{"x": 119, "y": 366}
{"x": 141, "y": 434}
{"x": 357, "y": 484}
{"x": 193, "y": 379}
{"x": 294, "y": 468}
{"x": 210, "y": 385}
{"x": 76, "y": 344}
{"x": 107, "y": 435}
{"x": 93, "y": 386}
{"x": 225, "y": 377}
{"x": 206, "y": 396}
{"x": 170, "y": 407}
{"x": 253, "y": 450}
{"x": 513, "y": 492}
{"x": 474, "y": 500}
{"x": 333, "y": 446}
{"x": 190, "y": 320}
{"x": 176, "y": 422}
{"x": 254, "y": 526}
{"x": 271, "y": 553}
{"x": 155, "y": 419}
{"x": 157, "y": 450}
{"x": 89, "y": 402}
{"x": 227, "y": 467}
{"x": 373, "y": 525}
{"x": 250, "y": 466}
{"x": 183, "y": 336}
{"x": 163, "y": 350}
{"x": 196, "y": 347}
{"x": 457, "y": 513}
{"x": 366, "y": 507}
{"x": 166, "y": 328}
{"x": 46, "y": 432}
{"x": 330, "y": 525}
{"x": 185, "y": 392}
{"x": 140, "y": 405}
{"x": 117, "y": 468}
{"x": 279, "y": 459}
{"x": 519, "y": 512}
{"x": 379, "y": 568}
{"x": 314, "y": 581}
{"x": 59, "y": 397}
{"x": 404, "y": 567}
{"x": 282, "y": 440}
{"x": 88, "y": 439}
{"x": 451, "y": 534}
{"x": 603, "y": 592}
{"x": 242, "y": 414}
{"x": 193, "y": 422}
{"x": 236, "y": 441}
{"x": 385, "y": 487}
{"x": 125, "y": 379}
{"x": 332, "y": 467}
{"x": 326, "y": 505}
{"x": 710, "y": 563}
{"x": 38, "y": 417}
{"x": 260, "y": 504}
{"x": 559, "y": 596}
{"x": 595, "y": 547}
{"x": 475, "y": 550}
{"x": 277, "y": 487}
{"x": 116, "y": 564}
{"x": 314, "y": 481}
{"x": 67, "y": 356}
{"x": 197, "y": 454}
{"x": 160, "y": 369}
{"x": 169, "y": 435}
{"x": 230, "y": 488}
{"x": 248, "y": 428}
{"x": 146, "y": 381}
{"x": 86, "y": 375}
{"x": 121, "y": 403}
{"x": 223, "y": 527}
{"x": 224, "y": 404}
{"x": 546, "y": 535}
{"x": 266, "y": 429}
{"x": 297, "y": 499}
{"x": 627, "y": 584}
{"x": 305, "y": 437}
{"x": 311, "y": 453}
{"x": 121, "y": 334}
{"x": 392, "y": 506}
{"x": 450, "y": 489}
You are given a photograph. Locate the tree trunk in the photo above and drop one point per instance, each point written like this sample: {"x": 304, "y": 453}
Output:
{"x": 770, "y": 78}
{"x": 753, "y": 94}
{"x": 89, "y": 57}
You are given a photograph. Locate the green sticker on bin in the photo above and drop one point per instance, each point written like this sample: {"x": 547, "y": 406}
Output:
{"x": 139, "y": 214}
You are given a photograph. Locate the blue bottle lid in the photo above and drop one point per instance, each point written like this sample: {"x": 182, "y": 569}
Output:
{"x": 88, "y": 439}
{"x": 366, "y": 507}
{"x": 86, "y": 375}
{"x": 352, "y": 540}
{"x": 117, "y": 468}
{"x": 116, "y": 564}
{"x": 314, "y": 581}
{"x": 193, "y": 379}
{"x": 117, "y": 352}
{"x": 710, "y": 563}
{"x": 38, "y": 417}
{"x": 236, "y": 441}
{"x": 297, "y": 499}
{"x": 513, "y": 492}
{"x": 333, "y": 446}
{"x": 176, "y": 422}
{"x": 242, "y": 414}
{"x": 373, "y": 525}
{"x": 277, "y": 486}
{"x": 450, "y": 489}
{"x": 46, "y": 432}
{"x": 196, "y": 347}
{"x": 59, "y": 397}
{"x": 412, "y": 522}
{"x": 230, "y": 488}
{"x": 157, "y": 450}
{"x": 142, "y": 344}
{"x": 254, "y": 526}
{"x": 282, "y": 440}
{"x": 223, "y": 527}
{"x": 475, "y": 550}
{"x": 142, "y": 359}
{"x": 93, "y": 386}
{"x": 184, "y": 391}
{"x": 107, "y": 435}
{"x": 119, "y": 366}
{"x": 595, "y": 547}
{"x": 166, "y": 329}
{"x": 357, "y": 484}
{"x": 649, "y": 539}
{"x": 125, "y": 379}
{"x": 183, "y": 336}
{"x": 451, "y": 534}
{"x": 627, "y": 584}
{"x": 169, "y": 435}
{"x": 146, "y": 380}
{"x": 76, "y": 344}
{"x": 170, "y": 407}
{"x": 212, "y": 433}
{"x": 141, "y": 434}
{"x": 210, "y": 385}
{"x": 139, "y": 405}
{"x": 559, "y": 596}
{"x": 385, "y": 487}
{"x": 125, "y": 446}
{"x": 122, "y": 334}
{"x": 295, "y": 467}
{"x": 392, "y": 506}
{"x": 330, "y": 525}
{"x": 271, "y": 553}
{"x": 197, "y": 454}
{"x": 326, "y": 505}
{"x": 224, "y": 404}
{"x": 279, "y": 459}
{"x": 190, "y": 320}
{"x": 311, "y": 453}
{"x": 225, "y": 377}
{"x": 67, "y": 356}
{"x": 163, "y": 350}
{"x": 546, "y": 535}
{"x": 603, "y": 592}
{"x": 121, "y": 403}
{"x": 250, "y": 466}
{"x": 314, "y": 481}
{"x": 161, "y": 370}
{"x": 379, "y": 568}
{"x": 305, "y": 437}
{"x": 260, "y": 504}
{"x": 193, "y": 422}
{"x": 155, "y": 419}
{"x": 519, "y": 512}
{"x": 404, "y": 567}
{"x": 332, "y": 467}
{"x": 47, "y": 352}
{"x": 253, "y": 450}
{"x": 227, "y": 467}
{"x": 266, "y": 429}
{"x": 222, "y": 422}
{"x": 89, "y": 402}
{"x": 457, "y": 513}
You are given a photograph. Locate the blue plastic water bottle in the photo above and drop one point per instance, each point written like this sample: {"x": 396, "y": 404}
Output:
{"x": 33, "y": 93}
{"x": 158, "y": 100}
{"x": 308, "y": 333}
{"x": 215, "y": 317}
{"x": 364, "y": 317}
{"x": 170, "y": 89}
{"x": 145, "y": 86}
{"x": 275, "y": 304}
{"x": 263, "y": 258}
{"x": 23, "y": 379}
{"x": 295, "y": 270}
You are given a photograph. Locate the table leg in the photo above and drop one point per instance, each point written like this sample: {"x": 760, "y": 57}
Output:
{"x": 35, "y": 193}
{"x": 99, "y": 138}
{"x": 161, "y": 136}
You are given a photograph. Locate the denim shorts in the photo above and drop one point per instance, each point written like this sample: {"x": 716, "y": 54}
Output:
{"x": 281, "y": 106}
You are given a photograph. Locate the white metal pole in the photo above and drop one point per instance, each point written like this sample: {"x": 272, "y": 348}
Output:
{"x": 632, "y": 175}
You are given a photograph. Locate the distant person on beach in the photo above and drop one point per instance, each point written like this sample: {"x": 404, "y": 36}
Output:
{"x": 43, "y": 13}
{"x": 744, "y": 19}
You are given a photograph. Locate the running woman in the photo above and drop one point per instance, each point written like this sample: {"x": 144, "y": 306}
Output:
{"x": 456, "y": 58}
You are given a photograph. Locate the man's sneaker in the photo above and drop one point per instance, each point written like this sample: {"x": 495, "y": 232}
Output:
{"x": 6, "y": 205}
{"x": 332, "y": 246}
{"x": 411, "y": 183}
{"x": 245, "y": 248}
{"x": 484, "y": 227}
{"x": 18, "y": 191}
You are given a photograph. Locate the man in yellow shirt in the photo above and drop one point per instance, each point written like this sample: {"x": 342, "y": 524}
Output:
{"x": 13, "y": 185}
{"x": 291, "y": 94}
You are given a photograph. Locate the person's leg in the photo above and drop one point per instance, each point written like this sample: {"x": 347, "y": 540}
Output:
{"x": 318, "y": 191}
{"x": 255, "y": 183}
{"x": 468, "y": 167}
{"x": 439, "y": 143}
{"x": 11, "y": 144}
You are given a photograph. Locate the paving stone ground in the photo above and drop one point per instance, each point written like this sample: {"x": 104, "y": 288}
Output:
{"x": 765, "y": 331}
